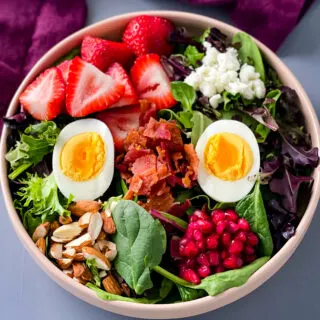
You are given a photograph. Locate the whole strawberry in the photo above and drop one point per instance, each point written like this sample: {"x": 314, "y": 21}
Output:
{"x": 148, "y": 34}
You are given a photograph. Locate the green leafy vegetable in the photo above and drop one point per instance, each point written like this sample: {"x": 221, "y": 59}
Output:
{"x": 189, "y": 294}
{"x": 249, "y": 52}
{"x": 224, "y": 205}
{"x": 230, "y": 101}
{"x": 184, "y": 94}
{"x": 252, "y": 209}
{"x": 91, "y": 264}
{"x": 37, "y": 141}
{"x": 219, "y": 282}
{"x": 69, "y": 56}
{"x": 182, "y": 117}
{"x": 193, "y": 56}
{"x": 158, "y": 293}
{"x": 200, "y": 123}
{"x": 141, "y": 242}
{"x": 39, "y": 200}
{"x": 111, "y": 203}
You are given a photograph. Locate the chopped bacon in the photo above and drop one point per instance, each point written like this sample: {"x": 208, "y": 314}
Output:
{"x": 144, "y": 164}
{"x": 157, "y": 130}
{"x": 192, "y": 158}
{"x": 148, "y": 110}
{"x": 161, "y": 203}
{"x": 135, "y": 137}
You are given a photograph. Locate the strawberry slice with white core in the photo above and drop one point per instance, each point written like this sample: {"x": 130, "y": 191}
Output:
{"x": 89, "y": 90}
{"x": 64, "y": 68}
{"x": 151, "y": 81}
{"x": 120, "y": 121}
{"x": 44, "y": 97}
{"x": 117, "y": 73}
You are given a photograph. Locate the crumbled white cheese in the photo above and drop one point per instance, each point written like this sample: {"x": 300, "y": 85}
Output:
{"x": 222, "y": 72}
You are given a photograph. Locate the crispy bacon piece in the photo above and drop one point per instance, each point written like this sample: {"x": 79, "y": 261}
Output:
{"x": 161, "y": 203}
{"x": 148, "y": 110}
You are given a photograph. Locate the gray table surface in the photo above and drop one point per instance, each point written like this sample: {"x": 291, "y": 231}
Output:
{"x": 26, "y": 292}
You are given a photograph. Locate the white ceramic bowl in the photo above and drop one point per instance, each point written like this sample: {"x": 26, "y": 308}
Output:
{"x": 112, "y": 29}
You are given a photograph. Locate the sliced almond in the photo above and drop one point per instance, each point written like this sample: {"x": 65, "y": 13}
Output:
{"x": 68, "y": 272}
{"x": 66, "y": 232}
{"x": 81, "y": 271}
{"x": 126, "y": 290}
{"x": 65, "y": 220}
{"x": 41, "y": 231}
{"x": 102, "y": 245}
{"x": 79, "y": 208}
{"x": 56, "y": 251}
{"x": 78, "y": 243}
{"x": 101, "y": 261}
{"x": 102, "y": 236}
{"x": 111, "y": 251}
{"x": 108, "y": 223}
{"x": 102, "y": 274}
{"x": 111, "y": 285}
{"x": 64, "y": 263}
{"x": 95, "y": 226}
{"x": 54, "y": 225}
{"x": 69, "y": 253}
{"x": 79, "y": 257}
{"x": 79, "y": 280}
{"x": 84, "y": 220}
{"x": 41, "y": 244}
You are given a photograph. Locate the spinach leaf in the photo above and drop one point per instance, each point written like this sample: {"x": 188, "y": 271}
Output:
{"x": 184, "y": 94}
{"x": 182, "y": 117}
{"x": 91, "y": 264}
{"x": 158, "y": 295}
{"x": 252, "y": 209}
{"x": 219, "y": 282}
{"x": 230, "y": 101}
{"x": 189, "y": 294}
{"x": 224, "y": 205}
{"x": 270, "y": 104}
{"x": 249, "y": 52}
{"x": 69, "y": 56}
{"x": 193, "y": 56}
{"x": 141, "y": 242}
{"x": 37, "y": 141}
{"x": 200, "y": 123}
{"x": 171, "y": 219}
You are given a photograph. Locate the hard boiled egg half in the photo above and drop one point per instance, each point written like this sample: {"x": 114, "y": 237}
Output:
{"x": 229, "y": 160}
{"x": 83, "y": 159}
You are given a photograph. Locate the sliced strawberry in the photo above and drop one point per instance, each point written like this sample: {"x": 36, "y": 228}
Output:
{"x": 117, "y": 73}
{"x": 120, "y": 121}
{"x": 102, "y": 53}
{"x": 64, "y": 68}
{"x": 151, "y": 81}
{"x": 44, "y": 97}
{"x": 148, "y": 34}
{"x": 89, "y": 90}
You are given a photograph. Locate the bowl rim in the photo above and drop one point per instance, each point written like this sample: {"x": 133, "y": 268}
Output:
{"x": 183, "y": 309}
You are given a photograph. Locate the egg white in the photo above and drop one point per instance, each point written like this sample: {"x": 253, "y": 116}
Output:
{"x": 95, "y": 187}
{"x": 216, "y": 188}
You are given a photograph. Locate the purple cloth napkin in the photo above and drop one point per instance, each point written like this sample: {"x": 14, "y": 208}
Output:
{"x": 28, "y": 28}
{"x": 270, "y": 21}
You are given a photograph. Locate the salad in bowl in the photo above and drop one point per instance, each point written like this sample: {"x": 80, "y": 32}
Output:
{"x": 163, "y": 167}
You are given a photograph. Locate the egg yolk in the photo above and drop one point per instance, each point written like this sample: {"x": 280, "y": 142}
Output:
{"x": 228, "y": 156}
{"x": 83, "y": 156}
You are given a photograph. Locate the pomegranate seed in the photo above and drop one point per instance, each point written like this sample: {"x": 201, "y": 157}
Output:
{"x": 190, "y": 263}
{"x": 191, "y": 249}
{"x": 213, "y": 241}
{"x": 219, "y": 269}
{"x": 232, "y": 262}
{"x": 236, "y": 247}
{"x": 197, "y": 235}
{"x": 203, "y": 260}
{"x": 201, "y": 244}
{"x": 183, "y": 241}
{"x": 190, "y": 275}
{"x": 243, "y": 224}
{"x": 226, "y": 239}
{"x": 241, "y": 236}
{"x": 231, "y": 215}
{"x": 221, "y": 225}
{"x": 201, "y": 215}
{"x": 204, "y": 271}
{"x": 252, "y": 239}
{"x": 249, "y": 250}
{"x": 214, "y": 258}
{"x": 251, "y": 258}
{"x": 204, "y": 226}
{"x": 193, "y": 218}
{"x": 217, "y": 215}
{"x": 191, "y": 227}
{"x": 223, "y": 254}
{"x": 232, "y": 227}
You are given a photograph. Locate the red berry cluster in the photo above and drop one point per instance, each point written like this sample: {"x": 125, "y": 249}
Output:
{"x": 215, "y": 244}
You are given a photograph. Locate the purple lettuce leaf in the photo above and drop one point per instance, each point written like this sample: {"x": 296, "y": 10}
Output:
{"x": 17, "y": 121}
{"x": 179, "y": 209}
{"x": 218, "y": 40}
{"x": 263, "y": 116}
{"x": 288, "y": 186}
{"x": 269, "y": 168}
{"x": 175, "y": 67}
{"x": 288, "y": 106}
{"x": 181, "y": 37}
{"x": 166, "y": 218}
{"x": 300, "y": 155}
{"x": 174, "y": 247}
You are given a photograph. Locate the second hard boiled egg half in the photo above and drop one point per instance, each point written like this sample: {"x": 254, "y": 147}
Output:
{"x": 229, "y": 160}
{"x": 83, "y": 159}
